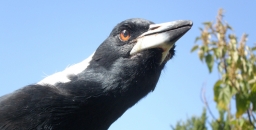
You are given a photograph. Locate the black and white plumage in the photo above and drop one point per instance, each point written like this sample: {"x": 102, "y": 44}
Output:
{"x": 97, "y": 91}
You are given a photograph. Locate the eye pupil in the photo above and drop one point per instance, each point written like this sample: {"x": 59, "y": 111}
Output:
{"x": 125, "y": 33}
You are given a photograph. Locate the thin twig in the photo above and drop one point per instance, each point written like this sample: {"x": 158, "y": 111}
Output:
{"x": 253, "y": 117}
{"x": 206, "y": 103}
{"x": 249, "y": 116}
{"x": 203, "y": 98}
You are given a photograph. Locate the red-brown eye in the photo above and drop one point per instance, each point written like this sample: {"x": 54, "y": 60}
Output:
{"x": 125, "y": 35}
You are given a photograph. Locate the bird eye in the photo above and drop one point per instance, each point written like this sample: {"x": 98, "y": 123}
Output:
{"x": 125, "y": 35}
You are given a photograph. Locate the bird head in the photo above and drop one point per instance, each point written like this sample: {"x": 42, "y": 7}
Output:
{"x": 142, "y": 41}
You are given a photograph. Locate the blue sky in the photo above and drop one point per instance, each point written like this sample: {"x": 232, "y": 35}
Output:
{"x": 39, "y": 38}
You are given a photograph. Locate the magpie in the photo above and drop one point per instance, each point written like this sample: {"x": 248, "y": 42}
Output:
{"x": 94, "y": 93}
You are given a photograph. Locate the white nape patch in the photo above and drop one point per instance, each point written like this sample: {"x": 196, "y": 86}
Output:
{"x": 62, "y": 77}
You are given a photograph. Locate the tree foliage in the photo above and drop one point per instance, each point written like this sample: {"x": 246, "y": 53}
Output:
{"x": 195, "y": 123}
{"x": 218, "y": 46}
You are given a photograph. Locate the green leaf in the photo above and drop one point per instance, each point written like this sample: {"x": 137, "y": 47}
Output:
{"x": 229, "y": 27}
{"x": 194, "y": 48}
{"x": 197, "y": 38}
{"x": 207, "y": 23}
{"x": 253, "y": 48}
{"x": 222, "y": 95}
{"x": 253, "y": 97}
{"x": 201, "y": 54}
{"x": 216, "y": 89}
{"x": 220, "y": 67}
{"x": 217, "y": 52}
{"x": 224, "y": 98}
{"x": 242, "y": 104}
{"x": 209, "y": 61}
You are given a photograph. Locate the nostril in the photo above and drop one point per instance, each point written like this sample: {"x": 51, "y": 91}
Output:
{"x": 153, "y": 28}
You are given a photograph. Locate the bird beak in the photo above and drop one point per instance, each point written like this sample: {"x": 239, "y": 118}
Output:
{"x": 162, "y": 36}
